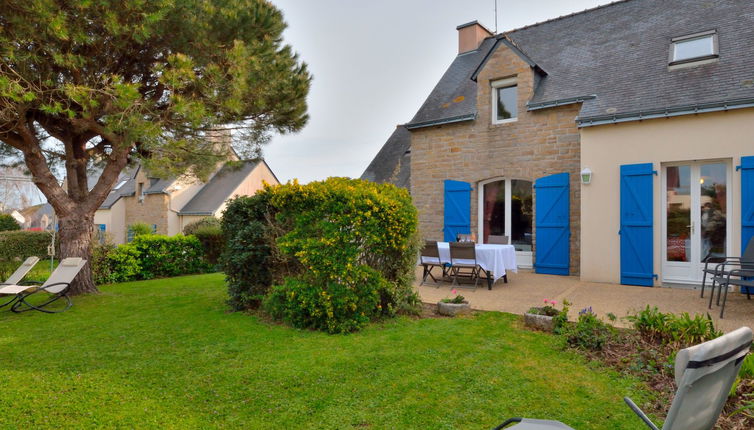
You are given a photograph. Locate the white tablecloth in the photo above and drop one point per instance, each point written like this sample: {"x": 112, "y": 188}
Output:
{"x": 496, "y": 259}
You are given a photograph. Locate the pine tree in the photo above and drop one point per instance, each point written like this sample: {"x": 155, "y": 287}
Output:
{"x": 104, "y": 82}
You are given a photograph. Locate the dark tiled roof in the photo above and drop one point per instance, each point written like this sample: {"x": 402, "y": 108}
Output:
{"x": 455, "y": 95}
{"x": 218, "y": 189}
{"x": 620, "y": 54}
{"x": 393, "y": 163}
{"x": 159, "y": 186}
{"x": 127, "y": 189}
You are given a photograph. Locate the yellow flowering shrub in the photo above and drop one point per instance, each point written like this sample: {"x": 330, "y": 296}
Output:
{"x": 341, "y": 252}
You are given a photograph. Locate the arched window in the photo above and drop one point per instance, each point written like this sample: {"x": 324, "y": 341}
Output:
{"x": 506, "y": 209}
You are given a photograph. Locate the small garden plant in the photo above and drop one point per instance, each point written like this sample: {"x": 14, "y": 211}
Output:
{"x": 457, "y": 299}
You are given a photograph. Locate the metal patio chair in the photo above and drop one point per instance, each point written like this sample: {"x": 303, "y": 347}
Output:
{"x": 16, "y": 277}
{"x": 715, "y": 266}
{"x": 56, "y": 286}
{"x": 463, "y": 258}
{"x": 430, "y": 258}
{"x": 743, "y": 278}
{"x": 498, "y": 240}
{"x": 704, "y": 375}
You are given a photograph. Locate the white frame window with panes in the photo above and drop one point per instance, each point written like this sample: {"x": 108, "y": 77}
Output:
{"x": 505, "y": 84}
{"x": 693, "y": 48}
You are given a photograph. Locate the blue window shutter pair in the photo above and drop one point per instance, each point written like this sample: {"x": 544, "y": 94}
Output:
{"x": 553, "y": 227}
{"x": 457, "y": 209}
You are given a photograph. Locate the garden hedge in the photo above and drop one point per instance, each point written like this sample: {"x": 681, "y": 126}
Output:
{"x": 22, "y": 244}
{"x": 330, "y": 255}
{"x": 8, "y": 223}
{"x": 148, "y": 256}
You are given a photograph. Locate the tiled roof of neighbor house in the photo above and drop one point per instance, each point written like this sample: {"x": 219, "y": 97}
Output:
{"x": 393, "y": 162}
{"x": 159, "y": 186}
{"x": 127, "y": 189}
{"x": 454, "y": 97}
{"x": 218, "y": 189}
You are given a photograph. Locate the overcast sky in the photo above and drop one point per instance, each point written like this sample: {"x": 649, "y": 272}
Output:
{"x": 374, "y": 63}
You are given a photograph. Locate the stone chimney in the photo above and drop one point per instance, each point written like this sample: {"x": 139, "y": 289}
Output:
{"x": 471, "y": 35}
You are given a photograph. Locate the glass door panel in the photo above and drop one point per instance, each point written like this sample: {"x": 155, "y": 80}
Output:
{"x": 678, "y": 211}
{"x": 713, "y": 220}
{"x": 493, "y": 211}
{"x": 521, "y": 214}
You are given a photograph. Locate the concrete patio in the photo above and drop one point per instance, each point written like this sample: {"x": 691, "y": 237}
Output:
{"x": 526, "y": 289}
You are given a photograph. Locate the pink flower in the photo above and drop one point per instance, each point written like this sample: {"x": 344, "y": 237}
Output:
{"x": 454, "y": 291}
{"x": 554, "y": 302}
{"x": 547, "y": 301}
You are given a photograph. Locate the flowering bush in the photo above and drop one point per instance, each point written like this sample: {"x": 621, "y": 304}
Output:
{"x": 338, "y": 252}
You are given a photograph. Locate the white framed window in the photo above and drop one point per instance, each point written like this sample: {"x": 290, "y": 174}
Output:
{"x": 120, "y": 184}
{"x": 504, "y": 100}
{"x": 694, "y": 47}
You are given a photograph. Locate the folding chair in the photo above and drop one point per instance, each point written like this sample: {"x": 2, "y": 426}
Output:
{"x": 704, "y": 375}
{"x": 743, "y": 278}
{"x": 463, "y": 257}
{"x": 430, "y": 258}
{"x": 18, "y": 276}
{"x": 56, "y": 286}
{"x": 716, "y": 266}
{"x": 498, "y": 240}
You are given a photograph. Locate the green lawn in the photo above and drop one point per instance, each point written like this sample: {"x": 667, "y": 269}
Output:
{"x": 167, "y": 354}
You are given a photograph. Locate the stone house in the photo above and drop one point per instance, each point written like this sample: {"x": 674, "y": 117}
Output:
{"x": 612, "y": 143}
{"x": 168, "y": 205}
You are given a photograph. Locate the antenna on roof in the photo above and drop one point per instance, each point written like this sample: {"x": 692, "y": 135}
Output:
{"x": 495, "y": 16}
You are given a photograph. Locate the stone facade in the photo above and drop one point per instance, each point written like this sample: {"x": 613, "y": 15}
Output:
{"x": 152, "y": 209}
{"x": 538, "y": 144}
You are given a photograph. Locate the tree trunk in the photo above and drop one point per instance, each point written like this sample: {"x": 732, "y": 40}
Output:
{"x": 76, "y": 232}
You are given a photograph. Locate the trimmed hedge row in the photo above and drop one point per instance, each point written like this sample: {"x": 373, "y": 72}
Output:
{"x": 22, "y": 244}
{"x": 147, "y": 257}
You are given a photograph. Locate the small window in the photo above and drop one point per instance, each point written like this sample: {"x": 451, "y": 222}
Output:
{"x": 695, "y": 47}
{"x": 140, "y": 191}
{"x": 120, "y": 184}
{"x": 504, "y": 101}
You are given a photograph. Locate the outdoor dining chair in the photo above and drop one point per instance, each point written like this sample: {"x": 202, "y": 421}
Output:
{"x": 18, "y": 276}
{"x": 716, "y": 266}
{"x": 743, "y": 278}
{"x": 463, "y": 259}
{"x": 56, "y": 286}
{"x": 498, "y": 240}
{"x": 704, "y": 375}
{"x": 430, "y": 258}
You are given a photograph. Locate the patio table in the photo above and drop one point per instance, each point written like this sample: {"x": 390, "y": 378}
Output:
{"x": 495, "y": 260}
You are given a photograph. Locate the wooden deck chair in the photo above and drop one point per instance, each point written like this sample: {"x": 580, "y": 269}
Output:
{"x": 56, "y": 286}
{"x": 430, "y": 258}
{"x": 463, "y": 257}
{"x": 704, "y": 375}
{"x": 498, "y": 240}
{"x": 18, "y": 276}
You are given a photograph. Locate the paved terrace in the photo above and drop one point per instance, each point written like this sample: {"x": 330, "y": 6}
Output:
{"x": 526, "y": 289}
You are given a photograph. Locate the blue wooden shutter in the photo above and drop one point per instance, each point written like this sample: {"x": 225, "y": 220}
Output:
{"x": 553, "y": 233}
{"x": 457, "y": 209}
{"x": 636, "y": 225}
{"x": 747, "y": 205}
{"x": 747, "y": 201}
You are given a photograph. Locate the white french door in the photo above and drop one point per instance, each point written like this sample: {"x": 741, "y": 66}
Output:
{"x": 505, "y": 209}
{"x": 694, "y": 217}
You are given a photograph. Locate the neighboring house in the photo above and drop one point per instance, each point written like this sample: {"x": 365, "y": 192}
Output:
{"x": 168, "y": 205}
{"x": 651, "y": 100}
{"x": 38, "y": 217}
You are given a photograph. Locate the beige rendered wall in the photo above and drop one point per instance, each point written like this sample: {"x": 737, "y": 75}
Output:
{"x": 721, "y": 135}
{"x": 179, "y": 194}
